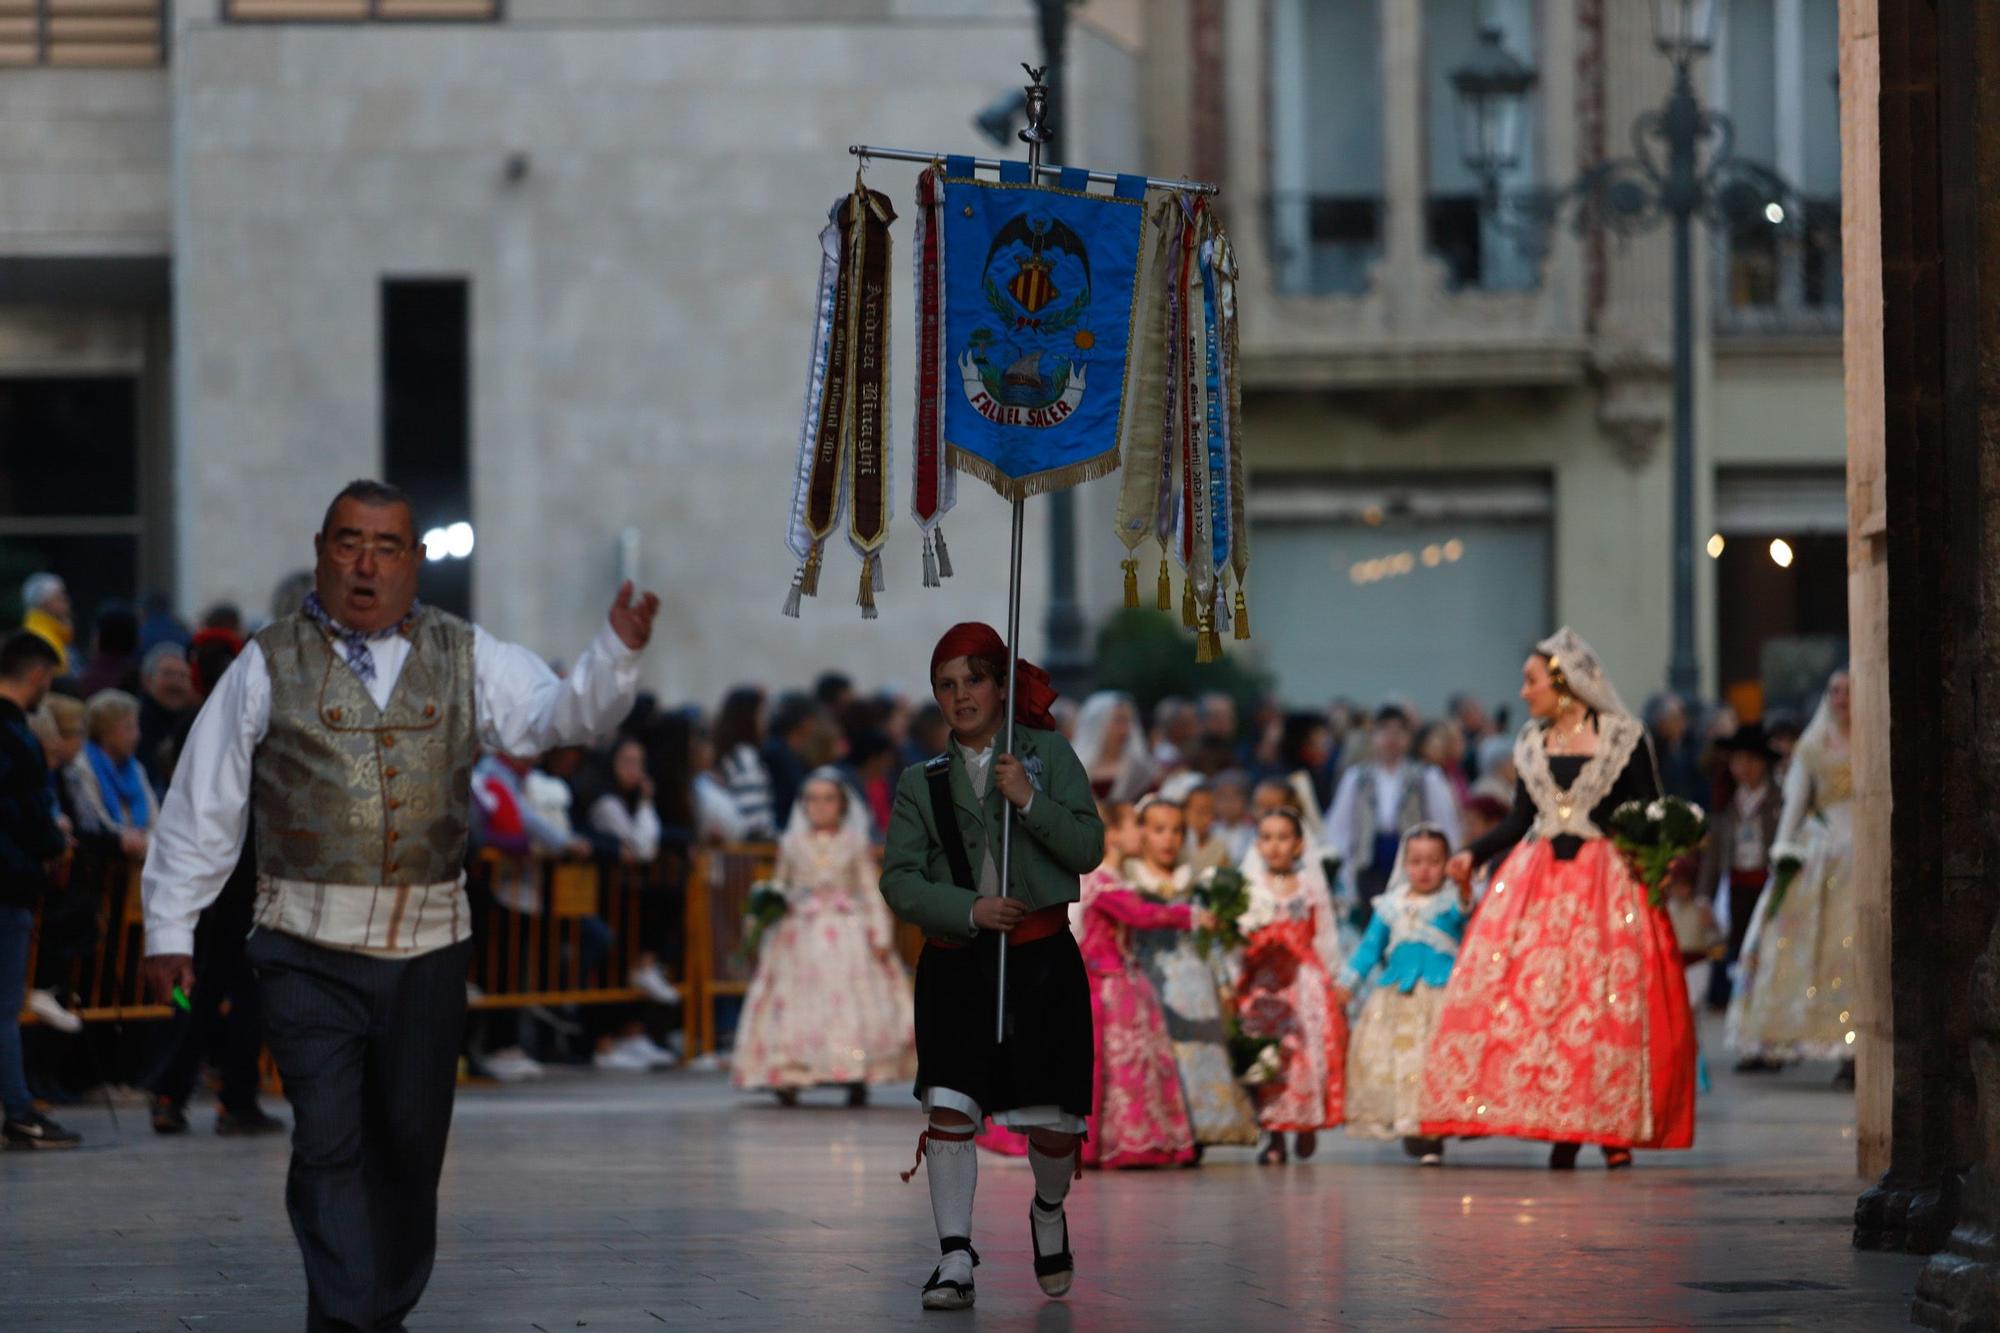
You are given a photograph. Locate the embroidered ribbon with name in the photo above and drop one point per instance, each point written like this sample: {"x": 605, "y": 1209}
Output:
{"x": 799, "y": 534}
{"x": 1145, "y": 469}
{"x": 1166, "y": 516}
{"x": 1239, "y": 526}
{"x": 1215, "y": 439}
{"x": 935, "y": 487}
{"x": 867, "y": 431}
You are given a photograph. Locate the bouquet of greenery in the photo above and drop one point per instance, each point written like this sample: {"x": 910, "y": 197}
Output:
{"x": 1652, "y": 835}
{"x": 766, "y": 906}
{"x": 1225, "y": 895}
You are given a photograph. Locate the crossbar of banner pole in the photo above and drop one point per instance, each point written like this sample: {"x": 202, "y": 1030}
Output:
{"x": 864, "y": 152}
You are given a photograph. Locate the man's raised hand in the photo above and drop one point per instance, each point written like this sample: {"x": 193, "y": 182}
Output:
{"x": 632, "y": 616}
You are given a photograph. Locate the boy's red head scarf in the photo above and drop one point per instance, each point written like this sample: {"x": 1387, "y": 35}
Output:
{"x": 1034, "y": 695}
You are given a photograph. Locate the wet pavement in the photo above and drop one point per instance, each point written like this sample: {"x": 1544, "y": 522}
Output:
{"x": 615, "y": 1203}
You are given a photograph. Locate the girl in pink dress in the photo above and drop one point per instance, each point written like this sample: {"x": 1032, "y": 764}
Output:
{"x": 1291, "y": 954}
{"x": 1138, "y": 1115}
{"x": 829, "y": 1002}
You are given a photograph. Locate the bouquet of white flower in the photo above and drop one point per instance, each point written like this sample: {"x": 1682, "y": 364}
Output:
{"x": 1652, "y": 835}
{"x": 1225, "y": 895}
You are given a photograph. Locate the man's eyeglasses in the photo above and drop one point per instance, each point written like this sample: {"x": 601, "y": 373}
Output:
{"x": 347, "y": 549}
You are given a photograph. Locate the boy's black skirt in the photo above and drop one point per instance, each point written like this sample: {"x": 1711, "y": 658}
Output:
{"x": 1047, "y": 1057}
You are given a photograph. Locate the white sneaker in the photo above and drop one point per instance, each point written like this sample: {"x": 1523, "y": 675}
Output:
{"x": 655, "y": 1055}
{"x": 46, "y": 1007}
{"x": 514, "y": 1065}
{"x": 654, "y": 982}
{"x": 622, "y": 1059}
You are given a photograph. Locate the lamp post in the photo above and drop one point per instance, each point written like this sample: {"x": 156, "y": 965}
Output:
{"x": 1698, "y": 177}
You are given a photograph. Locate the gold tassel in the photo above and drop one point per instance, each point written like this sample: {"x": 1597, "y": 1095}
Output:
{"x": 1166, "y": 585}
{"x": 1131, "y": 583}
{"x": 809, "y": 580}
{"x": 866, "y": 601}
{"x": 1189, "y": 616}
{"x": 1242, "y": 616}
{"x": 943, "y": 555}
{"x": 1207, "y": 645}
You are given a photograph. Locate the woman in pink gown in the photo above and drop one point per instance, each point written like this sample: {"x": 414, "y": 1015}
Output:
{"x": 1138, "y": 1115}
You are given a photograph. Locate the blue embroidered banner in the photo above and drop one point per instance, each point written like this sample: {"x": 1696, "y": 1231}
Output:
{"x": 1041, "y": 288}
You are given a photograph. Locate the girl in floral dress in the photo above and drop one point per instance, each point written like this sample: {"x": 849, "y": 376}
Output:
{"x": 829, "y": 1002}
{"x": 1287, "y": 993}
{"x": 1138, "y": 1115}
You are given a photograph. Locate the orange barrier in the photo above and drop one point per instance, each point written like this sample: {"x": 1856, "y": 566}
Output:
{"x": 719, "y": 884}
{"x": 521, "y": 957}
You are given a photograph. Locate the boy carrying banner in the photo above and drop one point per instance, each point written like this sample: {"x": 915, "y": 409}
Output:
{"x": 941, "y": 871}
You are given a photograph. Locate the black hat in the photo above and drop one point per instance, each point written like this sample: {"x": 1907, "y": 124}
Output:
{"x": 1750, "y": 737}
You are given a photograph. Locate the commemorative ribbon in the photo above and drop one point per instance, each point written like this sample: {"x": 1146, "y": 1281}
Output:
{"x": 1144, "y": 470}
{"x": 935, "y": 487}
{"x": 799, "y": 535}
{"x": 1200, "y": 499}
{"x": 1239, "y": 527}
{"x": 1215, "y": 434}
{"x": 1166, "y": 514}
{"x": 867, "y": 450}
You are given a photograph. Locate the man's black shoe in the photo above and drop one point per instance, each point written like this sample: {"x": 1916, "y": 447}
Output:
{"x": 251, "y": 1122}
{"x": 38, "y": 1131}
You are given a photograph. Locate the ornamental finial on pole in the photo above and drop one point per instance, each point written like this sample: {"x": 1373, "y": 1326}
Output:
{"x": 1038, "y": 131}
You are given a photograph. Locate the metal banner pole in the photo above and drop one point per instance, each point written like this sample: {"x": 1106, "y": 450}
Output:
{"x": 1035, "y": 135}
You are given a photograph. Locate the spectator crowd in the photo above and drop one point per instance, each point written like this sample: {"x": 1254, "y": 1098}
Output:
{"x": 673, "y": 779}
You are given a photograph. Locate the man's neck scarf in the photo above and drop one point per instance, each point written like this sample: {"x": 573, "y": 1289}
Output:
{"x": 355, "y": 643}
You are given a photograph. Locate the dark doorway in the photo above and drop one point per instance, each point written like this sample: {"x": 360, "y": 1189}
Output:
{"x": 427, "y": 423}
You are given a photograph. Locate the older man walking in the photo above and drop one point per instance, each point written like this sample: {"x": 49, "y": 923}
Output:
{"x": 350, "y": 730}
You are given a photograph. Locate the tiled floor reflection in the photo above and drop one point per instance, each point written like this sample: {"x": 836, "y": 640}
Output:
{"x": 637, "y": 1203}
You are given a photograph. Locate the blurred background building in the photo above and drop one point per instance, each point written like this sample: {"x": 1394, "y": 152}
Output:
{"x": 549, "y": 264}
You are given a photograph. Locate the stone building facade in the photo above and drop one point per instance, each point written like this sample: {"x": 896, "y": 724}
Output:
{"x": 596, "y": 219}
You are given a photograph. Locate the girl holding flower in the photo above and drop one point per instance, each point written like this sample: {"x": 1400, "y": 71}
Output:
{"x": 1188, "y": 983}
{"x": 1287, "y": 995}
{"x": 1567, "y": 1019}
{"x": 829, "y": 1002}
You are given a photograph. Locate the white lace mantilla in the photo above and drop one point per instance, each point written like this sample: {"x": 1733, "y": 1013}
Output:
{"x": 1560, "y": 811}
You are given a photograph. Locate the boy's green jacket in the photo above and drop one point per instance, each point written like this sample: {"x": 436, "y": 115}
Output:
{"x": 1055, "y": 843}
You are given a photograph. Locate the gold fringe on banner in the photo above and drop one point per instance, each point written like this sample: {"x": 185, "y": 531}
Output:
{"x": 1039, "y": 483}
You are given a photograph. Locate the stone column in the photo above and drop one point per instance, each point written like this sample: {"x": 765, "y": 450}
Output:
{"x": 1933, "y": 209}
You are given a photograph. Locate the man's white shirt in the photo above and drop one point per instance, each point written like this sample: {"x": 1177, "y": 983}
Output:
{"x": 520, "y": 707}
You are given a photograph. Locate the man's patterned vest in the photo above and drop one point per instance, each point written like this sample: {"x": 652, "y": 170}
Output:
{"x": 1409, "y": 808}
{"x": 346, "y": 793}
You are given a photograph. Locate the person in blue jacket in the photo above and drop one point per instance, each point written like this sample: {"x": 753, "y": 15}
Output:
{"x": 1414, "y": 938}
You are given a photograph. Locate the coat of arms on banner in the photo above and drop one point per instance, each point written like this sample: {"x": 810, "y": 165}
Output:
{"x": 1040, "y": 297}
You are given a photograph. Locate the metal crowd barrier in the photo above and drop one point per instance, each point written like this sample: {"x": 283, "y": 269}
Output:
{"x": 520, "y": 957}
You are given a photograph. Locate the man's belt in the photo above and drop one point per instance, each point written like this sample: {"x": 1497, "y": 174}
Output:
{"x": 1037, "y": 925}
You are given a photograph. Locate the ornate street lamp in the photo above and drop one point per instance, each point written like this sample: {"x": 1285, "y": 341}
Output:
{"x": 1684, "y": 30}
{"x": 1492, "y": 91}
{"x": 1681, "y": 168}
